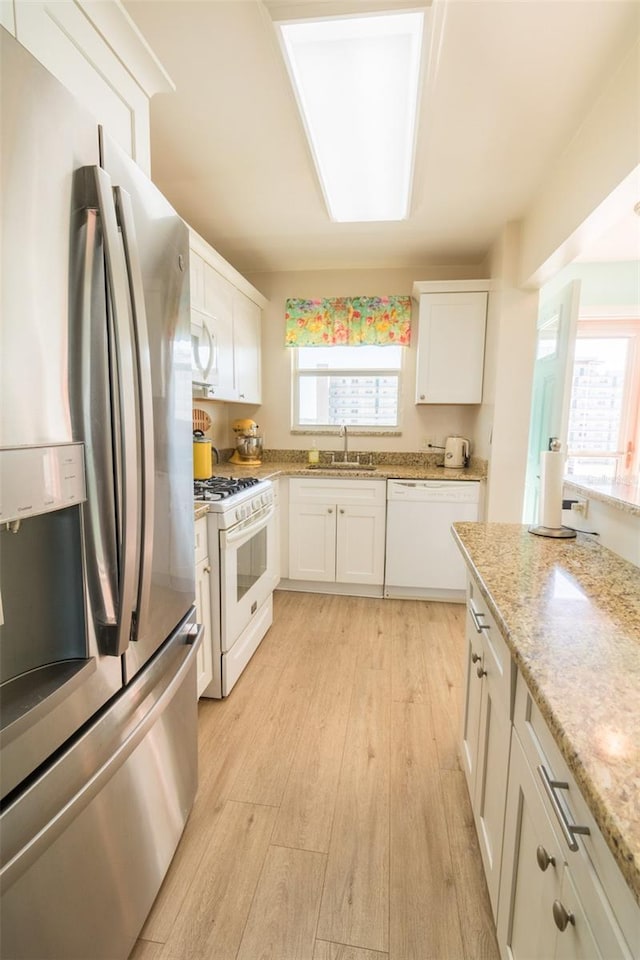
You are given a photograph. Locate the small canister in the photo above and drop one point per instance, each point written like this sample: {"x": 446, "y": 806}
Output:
{"x": 202, "y": 463}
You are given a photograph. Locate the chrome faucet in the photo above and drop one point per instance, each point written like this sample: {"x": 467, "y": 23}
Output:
{"x": 343, "y": 433}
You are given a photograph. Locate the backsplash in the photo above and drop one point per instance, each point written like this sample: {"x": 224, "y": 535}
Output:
{"x": 409, "y": 459}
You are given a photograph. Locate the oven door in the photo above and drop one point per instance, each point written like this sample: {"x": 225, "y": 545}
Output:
{"x": 247, "y": 572}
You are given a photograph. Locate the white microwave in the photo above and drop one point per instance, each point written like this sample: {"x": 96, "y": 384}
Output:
{"x": 204, "y": 350}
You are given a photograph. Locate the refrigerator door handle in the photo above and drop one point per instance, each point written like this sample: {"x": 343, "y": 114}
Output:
{"x": 126, "y": 445}
{"x": 124, "y": 210}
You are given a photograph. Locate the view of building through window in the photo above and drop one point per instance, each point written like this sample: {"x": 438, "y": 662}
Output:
{"x": 356, "y": 386}
{"x": 603, "y": 418}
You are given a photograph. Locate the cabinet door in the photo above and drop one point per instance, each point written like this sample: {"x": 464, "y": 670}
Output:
{"x": 526, "y": 930}
{"x": 218, "y": 305}
{"x": 246, "y": 344}
{"x": 492, "y": 765}
{"x": 450, "y": 361}
{"x": 64, "y": 38}
{"x": 360, "y": 544}
{"x": 203, "y": 615}
{"x": 196, "y": 281}
{"x": 471, "y": 707}
{"x": 312, "y": 541}
{"x": 576, "y": 941}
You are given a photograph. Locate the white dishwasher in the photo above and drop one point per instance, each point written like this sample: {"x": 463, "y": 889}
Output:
{"x": 422, "y": 560}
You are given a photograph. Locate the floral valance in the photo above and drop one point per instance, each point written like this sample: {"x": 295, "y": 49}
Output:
{"x": 348, "y": 321}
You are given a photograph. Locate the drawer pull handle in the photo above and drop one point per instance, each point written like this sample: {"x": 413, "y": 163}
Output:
{"x": 569, "y": 830}
{"x": 561, "y": 916}
{"x": 480, "y": 672}
{"x": 475, "y": 657}
{"x": 475, "y": 616}
{"x": 544, "y": 859}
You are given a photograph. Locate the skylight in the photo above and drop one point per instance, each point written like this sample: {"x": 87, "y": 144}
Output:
{"x": 356, "y": 81}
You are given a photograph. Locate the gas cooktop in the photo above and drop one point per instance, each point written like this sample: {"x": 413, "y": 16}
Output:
{"x": 221, "y": 488}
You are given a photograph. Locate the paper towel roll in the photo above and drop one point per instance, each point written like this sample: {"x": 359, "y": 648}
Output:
{"x": 550, "y": 503}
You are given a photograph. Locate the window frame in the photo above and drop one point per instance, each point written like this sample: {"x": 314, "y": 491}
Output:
{"x": 628, "y": 460}
{"x": 329, "y": 428}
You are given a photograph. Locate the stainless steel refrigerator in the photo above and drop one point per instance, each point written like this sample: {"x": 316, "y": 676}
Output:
{"x": 98, "y": 640}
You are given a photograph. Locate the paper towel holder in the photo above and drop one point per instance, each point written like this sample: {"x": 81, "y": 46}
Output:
{"x": 555, "y": 533}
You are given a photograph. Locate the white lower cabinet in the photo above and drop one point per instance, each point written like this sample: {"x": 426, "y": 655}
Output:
{"x": 555, "y": 890}
{"x": 204, "y": 668}
{"x": 486, "y": 732}
{"x": 337, "y": 531}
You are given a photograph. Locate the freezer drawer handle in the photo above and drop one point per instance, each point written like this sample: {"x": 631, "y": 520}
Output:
{"x": 29, "y": 853}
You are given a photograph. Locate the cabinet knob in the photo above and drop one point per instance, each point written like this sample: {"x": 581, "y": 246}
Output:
{"x": 422, "y": 396}
{"x": 207, "y": 569}
{"x": 241, "y": 395}
{"x": 480, "y": 672}
{"x": 543, "y": 858}
{"x": 330, "y": 510}
{"x": 341, "y": 509}
{"x": 475, "y": 657}
{"x": 561, "y": 916}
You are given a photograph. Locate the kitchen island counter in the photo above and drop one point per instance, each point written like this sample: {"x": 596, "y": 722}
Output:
{"x": 569, "y": 611}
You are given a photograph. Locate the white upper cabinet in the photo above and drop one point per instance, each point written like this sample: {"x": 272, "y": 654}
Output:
{"x": 226, "y": 319}
{"x": 451, "y": 333}
{"x": 247, "y": 318}
{"x": 97, "y": 53}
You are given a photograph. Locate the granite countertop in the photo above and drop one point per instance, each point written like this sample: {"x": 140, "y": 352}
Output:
{"x": 570, "y": 612}
{"x": 624, "y": 495}
{"x": 270, "y": 471}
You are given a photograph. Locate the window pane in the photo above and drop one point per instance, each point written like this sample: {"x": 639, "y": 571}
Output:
{"x": 597, "y": 395}
{"x": 354, "y": 400}
{"x": 350, "y": 358}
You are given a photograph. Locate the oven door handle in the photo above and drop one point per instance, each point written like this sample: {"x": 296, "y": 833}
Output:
{"x": 247, "y": 528}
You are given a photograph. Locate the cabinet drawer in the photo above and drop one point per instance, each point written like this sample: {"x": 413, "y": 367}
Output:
{"x": 202, "y": 551}
{"x": 496, "y": 657}
{"x": 612, "y": 912}
{"x": 345, "y": 492}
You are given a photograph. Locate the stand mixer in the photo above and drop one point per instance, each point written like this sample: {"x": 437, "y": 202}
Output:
{"x": 248, "y": 450}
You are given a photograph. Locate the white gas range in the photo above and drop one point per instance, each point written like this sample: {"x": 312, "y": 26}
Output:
{"x": 241, "y": 524}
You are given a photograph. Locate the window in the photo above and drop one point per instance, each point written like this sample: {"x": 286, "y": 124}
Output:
{"x": 603, "y": 418}
{"x": 356, "y": 386}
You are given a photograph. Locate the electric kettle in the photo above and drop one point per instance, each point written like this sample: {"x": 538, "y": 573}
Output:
{"x": 456, "y": 452}
{"x": 202, "y": 463}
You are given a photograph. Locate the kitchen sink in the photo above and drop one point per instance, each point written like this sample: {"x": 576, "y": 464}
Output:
{"x": 349, "y": 465}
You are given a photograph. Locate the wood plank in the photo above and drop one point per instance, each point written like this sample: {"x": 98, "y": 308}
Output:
{"x": 355, "y": 903}
{"x": 283, "y": 917}
{"x": 370, "y": 625}
{"x": 474, "y": 907}
{"x": 410, "y": 662}
{"x": 306, "y": 812}
{"x": 222, "y": 749}
{"x": 445, "y": 690}
{"x": 263, "y": 776}
{"x": 146, "y": 950}
{"x": 212, "y": 918}
{"x": 340, "y": 951}
{"x": 424, "y": 923}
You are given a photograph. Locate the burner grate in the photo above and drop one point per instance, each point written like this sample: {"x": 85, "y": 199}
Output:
{"x": 219, "y": 488}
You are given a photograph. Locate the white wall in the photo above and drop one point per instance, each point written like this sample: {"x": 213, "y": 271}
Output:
{"x": 594, "y": 183}
{"x": 502, "y": 421}
{"x": 274, "y": 416}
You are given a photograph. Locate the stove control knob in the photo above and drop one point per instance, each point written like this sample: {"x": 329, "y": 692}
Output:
{"x": 238, "y": 513}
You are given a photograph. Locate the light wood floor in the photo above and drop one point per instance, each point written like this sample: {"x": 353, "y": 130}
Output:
{"x": 332, "y": 820}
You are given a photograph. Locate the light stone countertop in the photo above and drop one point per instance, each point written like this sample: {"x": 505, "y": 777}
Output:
{"x": 271, "y": 471}
{"x": 622, "y": 494}
{"x": 569, "y": 611}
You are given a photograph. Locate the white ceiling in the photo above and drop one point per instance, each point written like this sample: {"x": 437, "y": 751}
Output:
{"x": 505, "y": 90}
